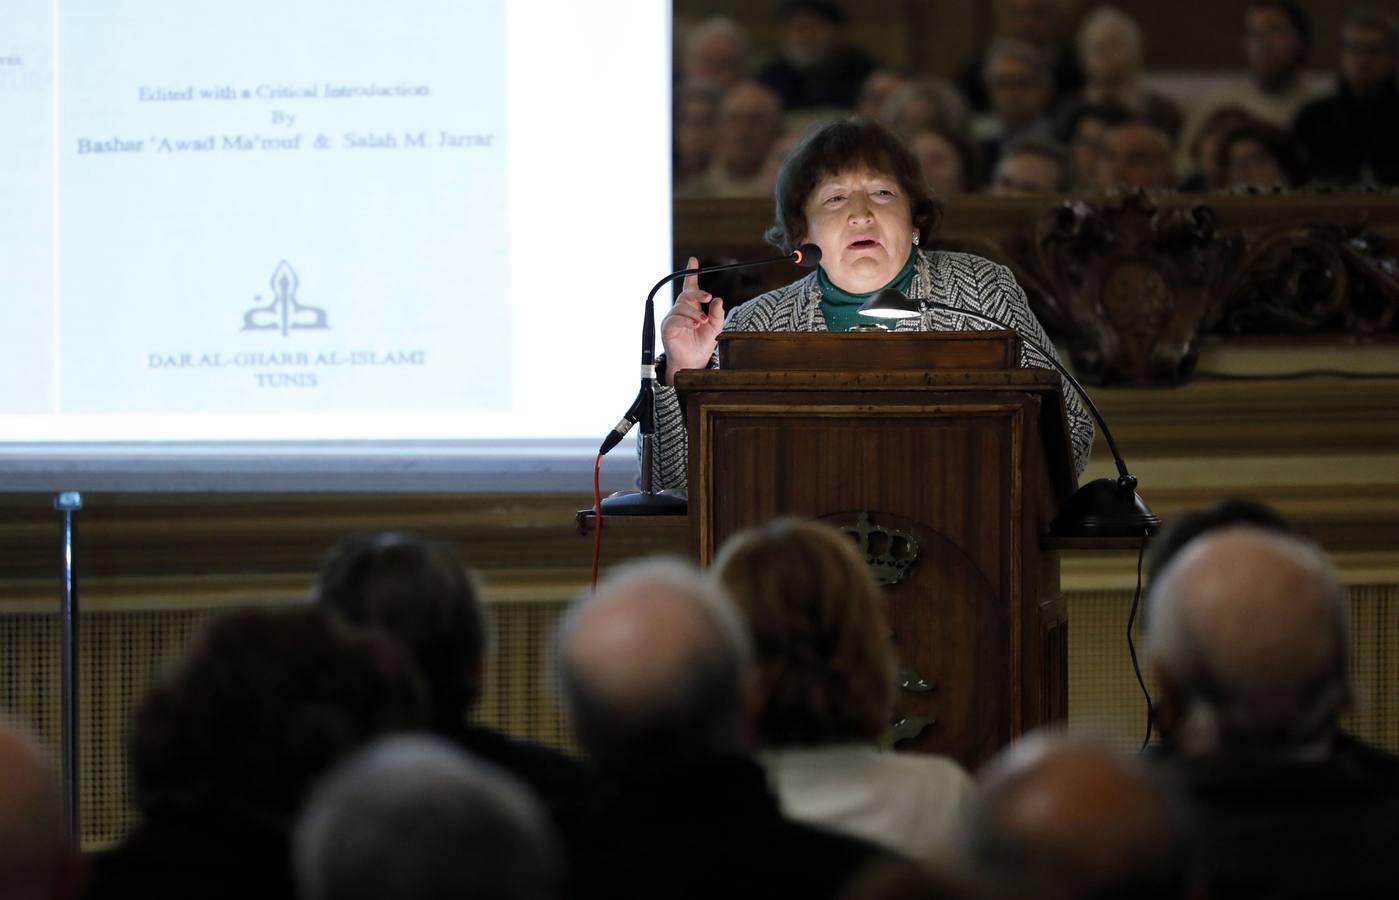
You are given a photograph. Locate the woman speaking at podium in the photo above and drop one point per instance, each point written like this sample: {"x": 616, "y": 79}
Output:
{"x": 853, "y": 189}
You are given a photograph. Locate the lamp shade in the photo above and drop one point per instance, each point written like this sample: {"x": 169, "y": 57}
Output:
{"x": 890, "y": 304}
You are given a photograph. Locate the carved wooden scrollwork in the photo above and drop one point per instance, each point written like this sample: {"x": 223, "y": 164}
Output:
{"x": 1326, "y": 278}
{"x": 1129, "y": 288}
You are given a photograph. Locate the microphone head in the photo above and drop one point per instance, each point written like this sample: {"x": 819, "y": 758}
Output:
{"x": 807, "y": 255}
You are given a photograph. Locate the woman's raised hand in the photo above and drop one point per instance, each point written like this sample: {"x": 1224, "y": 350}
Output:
{"x": 688, "y": 333}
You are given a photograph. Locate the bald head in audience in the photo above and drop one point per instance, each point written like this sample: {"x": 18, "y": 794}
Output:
{"x": 1248, "y": 638}
{"x": 656, "y": 667}
{"x": 36, "y": 860}
{"x": 414, "y": 817}
{"x": 1067, "y": 819}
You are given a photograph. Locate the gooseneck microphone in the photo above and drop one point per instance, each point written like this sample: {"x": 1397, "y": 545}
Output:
{"x": 646, "y": 501}
{"x": 806, "y": 256}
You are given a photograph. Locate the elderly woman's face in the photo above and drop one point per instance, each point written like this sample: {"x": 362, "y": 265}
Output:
{"x": 863, "y": 223}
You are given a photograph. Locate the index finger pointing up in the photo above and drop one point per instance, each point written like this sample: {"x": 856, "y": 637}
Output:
{"x": 692, "y": 281}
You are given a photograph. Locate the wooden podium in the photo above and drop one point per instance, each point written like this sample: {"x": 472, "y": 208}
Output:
{"x": 946, "y": 462}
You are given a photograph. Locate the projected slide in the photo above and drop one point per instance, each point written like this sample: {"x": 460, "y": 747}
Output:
{"x": 318, "y": 221}
{"x": 322, "y": 230}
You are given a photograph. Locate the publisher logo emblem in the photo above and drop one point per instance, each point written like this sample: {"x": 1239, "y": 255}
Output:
{"x": 284, "y": 313}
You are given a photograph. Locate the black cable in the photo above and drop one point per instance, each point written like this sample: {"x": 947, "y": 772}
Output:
{"x": 1296, "y": 376}
{"x": 1132, "y": 645}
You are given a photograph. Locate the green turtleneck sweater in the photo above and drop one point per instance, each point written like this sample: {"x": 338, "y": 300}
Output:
{"x": 842, "y": 308}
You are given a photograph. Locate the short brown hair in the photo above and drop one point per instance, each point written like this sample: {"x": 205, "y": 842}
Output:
{"x": 820, "y": 639}
{"x": 852, "y": 143}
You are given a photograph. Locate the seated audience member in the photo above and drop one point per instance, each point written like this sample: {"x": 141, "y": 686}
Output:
{"x": 1226, "y": 513}
{"x": 36, "y": 860}
{"x": 1137, "y": 155}
{"x": 1021, "y": 92}
{"x": 1248, "y": 638}
{"x": 1083, "y": 128}
{"x": 1058, "y": 819}
{"x": 1261, "y": 156}
{"x": 1032, "y": 167}
{"x": 420, "y": 594}
{"x": 816, "y": 66}
{"x": 1204, "y": 148}
{"x": 925, "y": 103}
{"x": 1110, "y": 46}
{"x": 1038, "y": 23}
{"x": 750, "y": 122}
{"x": 949, "y": 162}
{"x": 716, "y": 55}
{"x": 1352, "y": 136}
{"x": 411, "y": 818}
{"x": 876, "y": 91}
{"x": 225, "y": 747}
{"x": 696, "y": 130}
{"x": 656, "y": 674}
{"x": 1277, "y": 38}
{"x": 826, "y": 691}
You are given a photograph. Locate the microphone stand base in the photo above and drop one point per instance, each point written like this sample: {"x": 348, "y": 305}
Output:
{"x": 1106, "y": 508}
{"x": 646, "y": 503}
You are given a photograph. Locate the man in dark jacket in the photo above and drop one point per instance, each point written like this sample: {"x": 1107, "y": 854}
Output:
{"x": 1247, "y": 636}
{"x": 656, "y": 674}
{"x": 1352, "y": 136}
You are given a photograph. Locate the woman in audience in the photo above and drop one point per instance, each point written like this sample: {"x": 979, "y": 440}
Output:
{"x": 826, "y": 683}
{"x": 1259, "y": 155}
{"x": 926, "y": 103}
{"x": 949, "y": 162}
{"x": 854, "y": 190}
{"x": 1204, "y": 148}
{"x": 1110, "y": 47}
{"x": 226, "y": 746}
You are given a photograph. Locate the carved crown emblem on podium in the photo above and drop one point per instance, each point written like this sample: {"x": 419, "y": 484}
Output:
{"x": 887, "y": 551}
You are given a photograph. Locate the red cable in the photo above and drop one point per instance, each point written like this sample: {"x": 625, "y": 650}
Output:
{"x": 597, "y": 518}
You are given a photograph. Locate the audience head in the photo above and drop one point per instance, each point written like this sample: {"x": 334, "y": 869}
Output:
{"x": 1248, "y": 636}
{"x": 1137, "y": 154}
{"x": 412, "y": 817}
{"x": 876, "y": 90}
{"x": 925, "y": 103}
{"x": 1277, "y": 39}
{"x": 1227, "y": 513}
{"x": 1204, "y": 148}
{"x": 696, "y": 129}
{"x": 850, "y": 146}
{"x": 1369, "y": 50}
{"x": 264, "y": 702}
{"x": 1059, "y": 819}
{"x": 1260, "y": 155}
{"x": 825, "y": 666}
{"x": 1033, "y": 21}
{"x": 949, "y": 162}
{"x": 716, "y": 54}
{"x": 420, "y": 594}
{"x": 37, "y": 862}
{"x": 1084, "y": 127}
{"x": 656, "y": 668}
{"x": 812, "y": 31}
{"x": 1110, "y": 47}
{"x": 1019, "y": 84}
{"x": 750, "y": 121}
{"x": 1031, "y": 166}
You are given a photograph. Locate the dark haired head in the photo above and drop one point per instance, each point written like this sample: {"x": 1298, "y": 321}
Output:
{"x": 851, "y": 144}
{"x": 1296, "y": 16}
{"x": 264, "y": 702}
{"x": 827, "y": 9}
{"x": 1107, "y": 113}
{"x": 419, "y": 592}
{"x": 1227, "y": 513}
{"x": 1285, "y": 150}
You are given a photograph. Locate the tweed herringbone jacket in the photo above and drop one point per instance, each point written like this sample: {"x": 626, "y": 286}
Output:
{"x": 956, "y": 279}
